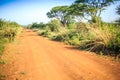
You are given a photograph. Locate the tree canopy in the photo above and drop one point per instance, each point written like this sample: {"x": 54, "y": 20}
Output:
{"x": 59, "y": 12}
{"x": 118, "y": 10}
{"x": 92, "y": 8}
{"x": 81, "y": 9}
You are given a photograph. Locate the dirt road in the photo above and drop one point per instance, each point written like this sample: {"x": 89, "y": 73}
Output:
{"x": 38, "y": 58}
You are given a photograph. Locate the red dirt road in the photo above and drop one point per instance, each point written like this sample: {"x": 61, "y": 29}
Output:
{"x": 38, "y": 58}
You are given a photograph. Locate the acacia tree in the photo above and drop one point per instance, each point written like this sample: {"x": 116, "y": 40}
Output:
{"x": 93, "y": 8}
{"x": 59, "y": 12}
{"x": 77, "y": 11}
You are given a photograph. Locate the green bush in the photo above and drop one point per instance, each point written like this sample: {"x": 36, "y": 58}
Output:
{"x": 70, "y": 37}
{"x": 35, "y": 25}
{"x": 61, "y": 37}
{"x": 72, "y": 26}
{"x": 75, "y": 40}
{"x": 114, "y": 45}
{"x": 54, "y": 25}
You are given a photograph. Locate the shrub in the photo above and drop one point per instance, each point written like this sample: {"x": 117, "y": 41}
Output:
{"x": 74, "y": 40}
{"x": 8, "y": 32}
{"x": 102, "y": 39}
{"x": 69, "y": 37}
{"x": 72, "y": 26}
{"x": 35, "y": 25}
{"x": 114, "y": 45}
{"x": 60, "y": 37}
{"x": 54, "y": 25}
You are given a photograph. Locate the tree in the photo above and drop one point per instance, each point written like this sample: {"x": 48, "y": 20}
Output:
{"x": 118, "y": 12}
{"x": 77, "y": 11}
{"x": 54, "y": 25}
{"x": 93, "y": 8}
{"x": 41, "y": 25}
{"x": 59, "y": 12}
{"x": 34, "y": 25}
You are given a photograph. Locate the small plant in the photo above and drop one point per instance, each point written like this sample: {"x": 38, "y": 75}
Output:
{"x": 23, "y": 72}
{"x": 2, "y": 77}
{"x": 3, "y": 62}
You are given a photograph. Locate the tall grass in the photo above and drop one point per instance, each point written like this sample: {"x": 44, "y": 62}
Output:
{"x": 104, "y": 38}
{"x": 8, "y": 32}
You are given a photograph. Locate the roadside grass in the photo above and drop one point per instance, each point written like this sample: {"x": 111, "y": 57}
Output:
{"x": 101, "y": 38}
{"x": 8, "y": 34}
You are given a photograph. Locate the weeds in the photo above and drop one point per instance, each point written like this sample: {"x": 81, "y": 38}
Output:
{"x": 3, "y": 62}
{"x": 23, "y": 72}
{"x": 2, "y": 77}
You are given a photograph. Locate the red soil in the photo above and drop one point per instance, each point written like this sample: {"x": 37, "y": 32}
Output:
{"x": 37, "y": 58}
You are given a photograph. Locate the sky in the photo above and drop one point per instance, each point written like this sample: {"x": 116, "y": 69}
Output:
{"x": 28, "y": 11}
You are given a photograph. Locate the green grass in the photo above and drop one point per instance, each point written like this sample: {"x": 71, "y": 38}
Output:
{"x": 3, "y": 42}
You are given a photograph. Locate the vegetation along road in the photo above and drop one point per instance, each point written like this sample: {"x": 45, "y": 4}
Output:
{"x": 38, "y": 58}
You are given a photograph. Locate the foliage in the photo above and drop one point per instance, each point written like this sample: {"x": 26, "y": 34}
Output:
{"x": 52, "y": 28}
{"x": 8, "y": 32}
{"x": 54, "y": 25}
{"x": 41, "y": 25}
{"x": 69, "y": 37}
{"x": 72, "y": 26}
{"x": 77, "y": 10}
{"x": 114, "y": 45}
{"x": 118, "y": 10}
{"x": 96, "y": 3}
{"x": 3, "y": 42}
{"x": 117, "y": 21}
{"x": 102, "y": 39}
{"x": 61, "y": 13}
{"x": 90, "y": 8}
{"x": 60, "y": 37}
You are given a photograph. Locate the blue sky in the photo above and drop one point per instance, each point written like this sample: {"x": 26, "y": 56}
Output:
{"x": 27, "y": 11}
